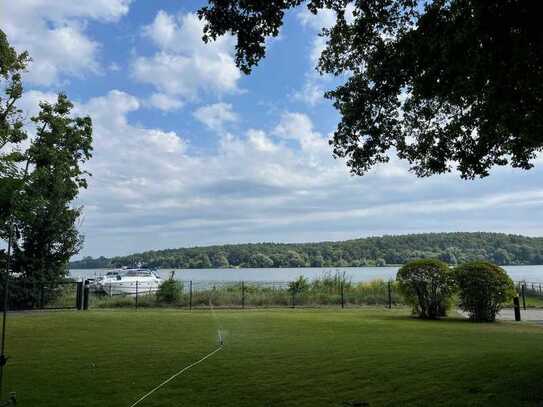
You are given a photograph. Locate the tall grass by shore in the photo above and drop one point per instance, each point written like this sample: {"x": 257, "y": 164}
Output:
{"x": 327, "y": 290}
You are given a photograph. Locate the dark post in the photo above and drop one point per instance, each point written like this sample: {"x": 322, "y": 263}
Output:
{"x": 3, "y": 357}
{"x": 242, "y": 295}
{"x": 190, "y": 295}
{"x": 342, "y": 295}
{"x": 293, "y": 298}
{"x": 137, "y": 294}
{"x": 524, "y": 296}
{"x": 42, "y": 296}
{"x": 79, "y": 295}
{"x": 516, "y": 305}
{"x": 86, "y": 295}
{"x": 389, "y": 286}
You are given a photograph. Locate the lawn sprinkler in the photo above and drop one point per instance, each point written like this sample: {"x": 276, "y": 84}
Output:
{"x": 221, "y": 339}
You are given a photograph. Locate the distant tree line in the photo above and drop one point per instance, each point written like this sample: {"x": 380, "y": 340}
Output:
{"x": 451, "y": 248}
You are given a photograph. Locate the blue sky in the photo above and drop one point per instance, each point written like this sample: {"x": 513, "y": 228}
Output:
{"x": 189, "y": 151}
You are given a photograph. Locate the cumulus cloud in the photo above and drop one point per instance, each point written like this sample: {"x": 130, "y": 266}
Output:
{"x": 165, "y": 102}
{"x": 215, "y": 116}
{"x": 278, "y": 183}
{"x": 311, "y": 93}
{"x": 55, "y": 35}
{"x": 184, "y": 65}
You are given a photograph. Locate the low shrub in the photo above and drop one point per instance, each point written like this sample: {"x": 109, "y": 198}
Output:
{"x": 483, "y": 288}
{"x": 298, "y": 286}
{"x": 169, "y": 292}
{"x": 427, "y": 286}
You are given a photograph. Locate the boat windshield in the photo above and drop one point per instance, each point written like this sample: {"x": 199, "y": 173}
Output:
{"x": 138, "y": 273}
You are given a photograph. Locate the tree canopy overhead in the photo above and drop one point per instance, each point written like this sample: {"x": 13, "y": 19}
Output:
{"x": 444, "y": 84}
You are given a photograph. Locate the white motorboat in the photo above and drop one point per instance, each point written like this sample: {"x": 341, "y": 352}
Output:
{"x": 130, "y": 282}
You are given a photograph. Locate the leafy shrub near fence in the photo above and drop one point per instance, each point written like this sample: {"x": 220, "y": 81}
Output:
{"x": 483, "y": 288}
{"x": 169, "y": 292}
{"x": 426, "y": 285}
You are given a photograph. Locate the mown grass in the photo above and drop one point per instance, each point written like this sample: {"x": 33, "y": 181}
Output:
{"x": 533, "y": 302}
{"x": 271, "y": 358}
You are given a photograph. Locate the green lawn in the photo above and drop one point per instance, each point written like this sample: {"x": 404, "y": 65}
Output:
{"x": 533, "y": 302}
{"x": 271, "y": 358}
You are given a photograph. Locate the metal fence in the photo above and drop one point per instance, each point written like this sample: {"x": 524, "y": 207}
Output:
{"x": 534, "y": 289}
{"x": 530, "y": 293}
{"x": 26, "y": 294}
{"x": 252, "y": 294}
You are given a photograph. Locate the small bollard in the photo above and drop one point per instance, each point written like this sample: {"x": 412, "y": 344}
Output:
{"x": 79, "y": 295}
{"x": 86, "y": 295}
{"x": 524, "y": 296}
{"x": 516, "y": 304}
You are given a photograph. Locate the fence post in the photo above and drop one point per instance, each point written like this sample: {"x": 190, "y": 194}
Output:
{"x": 389, "y": 285}
{"x": 86, "y": 295}
{"x": 79, "y": 296}
{"x": 524, "y": 295}
{"x": 137, "y": 294}
{"x": 242, "y": 295}
{"x": 42, "y": 296}
{"x": 190, "y": 295}
{"x": 342, "y": 295}
{"x": 516, "y": 306}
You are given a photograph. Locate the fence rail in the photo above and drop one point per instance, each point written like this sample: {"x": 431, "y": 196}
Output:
{"x": 257, "y": 294}
{"x": 327, "y": 292}
{"x": 25, "y": 294}
{"x": 530, "y": 293}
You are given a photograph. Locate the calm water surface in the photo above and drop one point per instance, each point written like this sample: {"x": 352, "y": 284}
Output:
{"x": 356, "y": 274}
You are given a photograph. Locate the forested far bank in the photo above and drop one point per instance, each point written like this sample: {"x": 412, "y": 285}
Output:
{"x": 452, "y": 248}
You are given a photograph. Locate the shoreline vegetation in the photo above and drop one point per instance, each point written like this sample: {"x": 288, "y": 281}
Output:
{"x": 451, "y": 248}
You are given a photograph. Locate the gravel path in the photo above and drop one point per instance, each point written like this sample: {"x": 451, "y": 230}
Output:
{"x": 508, "y": 314}
{"x": 532, "y": 315}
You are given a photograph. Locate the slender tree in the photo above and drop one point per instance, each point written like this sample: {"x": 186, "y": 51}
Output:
{"x": 45, "y": 220}
{"x": 444, "y": 83}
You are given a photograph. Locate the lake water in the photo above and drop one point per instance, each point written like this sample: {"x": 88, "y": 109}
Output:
{"x": 356, "y": 274}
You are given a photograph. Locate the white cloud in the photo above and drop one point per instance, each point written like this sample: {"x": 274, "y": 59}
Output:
{"x": 114, "y": 67}
{"x": 54, "y": 34}
{"x": 312, "y": 92}
{"x": 215, "y": 116}
{"x": 260, "y": 141}
{"x": 165, "y": 102}
{"x": 185, "y": 66}
{"x": 325, "y": 18}
{"x": 313, "y": 88}
{"x": 275, "y": 184}
{"x": 298, "y": 126}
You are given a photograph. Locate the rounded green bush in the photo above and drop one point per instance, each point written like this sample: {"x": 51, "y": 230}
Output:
{"x": 426, "y": 285}
{"x": 483, "y": 288}
{"x": 169, "y": 292}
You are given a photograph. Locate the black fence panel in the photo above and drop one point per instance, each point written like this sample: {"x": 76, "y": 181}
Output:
{"x": 332, "y": 292}
{"x": 530, "y": 294}
{"x": 26, "y": 294}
